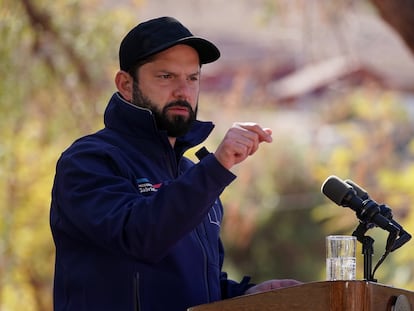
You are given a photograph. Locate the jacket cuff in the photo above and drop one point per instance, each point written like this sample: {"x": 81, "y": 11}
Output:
{"x": 217, "y": 170}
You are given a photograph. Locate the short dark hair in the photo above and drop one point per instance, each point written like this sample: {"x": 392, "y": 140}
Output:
{"x": 133, "y": 70}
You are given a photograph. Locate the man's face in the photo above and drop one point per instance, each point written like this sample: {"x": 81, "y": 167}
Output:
{"x": 169, "y": 86}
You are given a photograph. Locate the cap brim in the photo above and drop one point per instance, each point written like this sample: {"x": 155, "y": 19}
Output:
{"x": 206, "y": 50}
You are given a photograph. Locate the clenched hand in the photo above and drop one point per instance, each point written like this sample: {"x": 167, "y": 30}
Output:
{"x": 241, "y": 141}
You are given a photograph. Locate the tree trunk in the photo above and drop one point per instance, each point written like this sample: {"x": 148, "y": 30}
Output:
{"x": 399, "y": 14}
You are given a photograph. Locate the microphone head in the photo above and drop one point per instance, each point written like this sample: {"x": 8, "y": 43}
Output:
{"x": 361, "y": 192}
{"x": 335, "y": 189}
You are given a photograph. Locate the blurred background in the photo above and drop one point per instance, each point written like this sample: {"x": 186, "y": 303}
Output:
{"x": 334, "y": 79}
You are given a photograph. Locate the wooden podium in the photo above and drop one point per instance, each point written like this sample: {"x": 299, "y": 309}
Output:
{"x": 329, "y": 295}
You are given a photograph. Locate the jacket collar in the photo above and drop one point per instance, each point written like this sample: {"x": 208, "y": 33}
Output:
{"x": 131, "y": 120}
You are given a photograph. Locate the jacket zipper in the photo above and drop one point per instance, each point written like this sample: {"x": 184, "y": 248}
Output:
{"x": 170, "y": 158}
{"x": 137, "y": 306}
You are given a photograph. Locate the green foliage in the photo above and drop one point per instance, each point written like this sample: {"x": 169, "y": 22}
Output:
{"x": 50, "y": 93}
{"x": 277, "y": 228}
{"x": 375, "y": 135}
{"x": 57, "y": 67}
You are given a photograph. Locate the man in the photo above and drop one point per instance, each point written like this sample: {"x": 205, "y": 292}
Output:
{"x": 136, "y": 225}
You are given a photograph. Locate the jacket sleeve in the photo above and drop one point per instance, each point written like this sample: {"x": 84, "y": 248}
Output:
{"x": 230, "y": 288}
{"x": 94, "y": 200}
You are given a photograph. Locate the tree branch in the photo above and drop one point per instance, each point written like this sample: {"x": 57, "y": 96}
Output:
{"x": 43, "y": 26}
{"x": 400, "y": 16}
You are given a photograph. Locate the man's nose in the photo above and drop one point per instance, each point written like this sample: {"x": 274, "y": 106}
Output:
{"x": 182, "y": 89}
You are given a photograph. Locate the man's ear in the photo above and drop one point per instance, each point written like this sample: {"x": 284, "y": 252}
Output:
{"x": 124, "y": 84}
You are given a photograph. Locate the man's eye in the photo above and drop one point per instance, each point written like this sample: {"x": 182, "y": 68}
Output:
{"x": 164, "y": 76}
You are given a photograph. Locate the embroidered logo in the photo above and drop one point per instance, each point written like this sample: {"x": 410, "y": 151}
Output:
{"x": 144, "y": 186}
{"x": 215, "y": 215}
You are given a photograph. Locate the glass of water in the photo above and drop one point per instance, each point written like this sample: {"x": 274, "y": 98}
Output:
{"x": 340, "y": 257}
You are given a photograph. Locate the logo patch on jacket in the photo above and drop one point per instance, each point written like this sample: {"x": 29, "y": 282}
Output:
{"x": 144, "y": 186}
{"x": 214, "y": 215}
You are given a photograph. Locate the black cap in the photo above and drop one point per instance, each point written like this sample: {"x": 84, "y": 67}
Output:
{"x": 159, "y": 34}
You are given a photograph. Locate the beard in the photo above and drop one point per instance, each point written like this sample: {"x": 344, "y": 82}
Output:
{"x": 175, "y": 125}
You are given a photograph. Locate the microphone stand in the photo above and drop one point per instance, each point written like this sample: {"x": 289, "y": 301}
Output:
{"x": 367, "y": 249}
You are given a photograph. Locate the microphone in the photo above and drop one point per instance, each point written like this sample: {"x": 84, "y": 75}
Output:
{"x": 363, "y": 194}
{"x": 385, "y": 211}
{"x": 367, "y": 211}
{"x": 370, "y": 214}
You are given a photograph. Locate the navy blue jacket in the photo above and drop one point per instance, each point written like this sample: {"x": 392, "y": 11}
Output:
{"x": 135, "y": 224}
